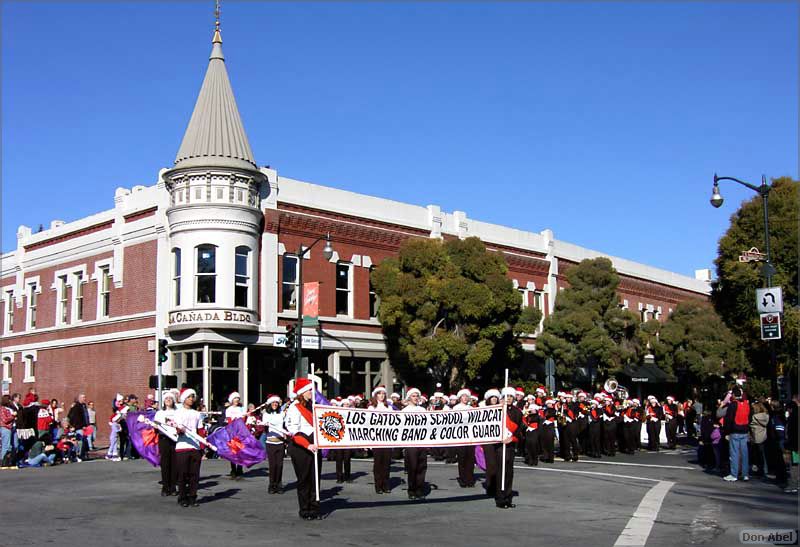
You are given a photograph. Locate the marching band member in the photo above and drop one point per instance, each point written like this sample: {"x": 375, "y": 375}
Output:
{"x": 654, "y": 413}
{"x": 583, "y": 422}
{"x": 532, "y": 420}
{"x": 490, "y": 398}
{"x": 188, "y": 454}
{"x": 450, "y": 451}
{"x": 627, "y": 446}
{"x": 343, "y": 458}
{"x": 166, "y": 446}
{"x": 609, "y": 427}
{"x": 639, "y": 420}
{"x": 234, "y": 412}
{"x": 547, "y": 435}
{"x": 416, "y": 459}
{"x": 438, "y": 402}
{"x": 513, "y": 431}
{"x": 272, "y": 419}
{"x": 381, "y": 457}
{"x": 671, "y": 417}
{"x": 596, "y": 427}
{"x": 465, "y": 454}
{"x": 569, "y": 433}
{"x": 299, "y": 424}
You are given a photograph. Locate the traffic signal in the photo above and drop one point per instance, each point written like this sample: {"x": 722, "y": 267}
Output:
{"x": 163, "y": 350}
{"x": 291, "y": 341}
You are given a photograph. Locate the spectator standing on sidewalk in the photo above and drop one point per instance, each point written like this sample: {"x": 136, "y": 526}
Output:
{"x": 7, "y": 417}
{"x": 117, "y": 415}
{"x": 791, "y": 444}
{"x": 758, "y": 437}
{"x": 90, "y": 438}
{"x": 79, "y": 419}
{"x": 736, "y": 428}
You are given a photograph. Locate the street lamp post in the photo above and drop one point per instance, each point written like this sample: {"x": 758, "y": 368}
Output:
{"x": 768, "y": 269}
{"x": 327, "y": 253}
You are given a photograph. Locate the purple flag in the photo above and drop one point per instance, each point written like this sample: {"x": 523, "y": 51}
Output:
{"x": 480, "y": 457}
{"x": 143, "y": 437}
{"x": 236, "y": 444}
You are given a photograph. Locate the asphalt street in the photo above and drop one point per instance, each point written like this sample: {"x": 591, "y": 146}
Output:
{"x": 649, "y": 498}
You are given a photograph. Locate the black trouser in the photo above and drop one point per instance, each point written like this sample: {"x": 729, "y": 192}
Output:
{"x": 502, "y": 492}
{"x": 275, "y": 462}
{"x": 610, "y": 437}
{"x": 628, "y": 433}
{"x": 381, "y": 460}
{"x": 187, "y": 465}
{"x": 417, "y": 465}
{"x": 450, "y": 454}
{"x": 303, "y": 463}
{"x": 169, "y": 475}
{"x": 596, "y": 439}
{"x": 547, "y": 441}
{"x": 236, "y": 470}
{"x": 466, "y": 465}
{"x": 672, "y": 432}
{"x": 653, "y": 434}
{"x": 342, "y": 458}
{"x": 439, "y": 453}
{"x": 637, "y": 435}
{"x": 532, "y": 446}
{"x": 569, "y": 441}
{"x": 583, "y": 435}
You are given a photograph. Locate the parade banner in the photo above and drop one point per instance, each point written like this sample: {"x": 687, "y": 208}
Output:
{"x": 338, "y": 427}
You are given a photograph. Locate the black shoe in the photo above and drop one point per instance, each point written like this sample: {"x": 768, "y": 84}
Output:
{"x": 387, "y": 491}
{"x": 194, "y": 503}
{"x": 575, "y": 459}
{"x": 164, "y": 493}
{"x": 339, "y": 481}
{"x": 181, "y": 500}
{"x": 185, "y": 503}
{"x": 173, "y": 493}
{"x": 412, "y": 496}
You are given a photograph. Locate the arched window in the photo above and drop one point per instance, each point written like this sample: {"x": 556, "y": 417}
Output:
{"x": 242, "y": 277}
{"x": 176, "y": 276}
{"x": 206, "y": 274}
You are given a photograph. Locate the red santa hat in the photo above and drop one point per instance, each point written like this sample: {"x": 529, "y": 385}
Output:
{"x": 412, "y": 391}
{"x": 491, "y": 393}
{"x": 541, "y": 390}
{"x": 273, "y": 399}
{"x": 234, "y": 395}
{"x": 462, "y": 392}
{"x": 506, "y": 391}
{"x": 186, "y": 393}
{"x": 301, "y": 385}
{"x": 378, "y": 389}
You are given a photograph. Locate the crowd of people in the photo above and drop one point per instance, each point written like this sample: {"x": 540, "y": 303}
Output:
{"x": 737, "y": 439}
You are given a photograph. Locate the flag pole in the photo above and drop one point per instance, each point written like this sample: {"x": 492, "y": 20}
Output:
{"x": 316, "y": 451}
{"x": 503, "y": 436}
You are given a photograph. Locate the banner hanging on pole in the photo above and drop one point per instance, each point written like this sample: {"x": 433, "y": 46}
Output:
{"x": 311, "y": 299}
{"x": 338, "y": 427}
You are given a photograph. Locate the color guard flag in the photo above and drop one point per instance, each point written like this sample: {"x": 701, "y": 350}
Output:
{"x": 143, "y": 437}
{"x": 236, "y": 444}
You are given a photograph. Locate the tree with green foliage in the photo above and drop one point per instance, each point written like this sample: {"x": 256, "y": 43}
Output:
{"x": 694, "y": 343}
{"x": 588, "y": 326}
{"x": 734, "y": 291}
{"x": 449, "y": 312}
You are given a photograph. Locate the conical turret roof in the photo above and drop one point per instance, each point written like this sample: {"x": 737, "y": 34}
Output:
{"x": 215, "y": 136}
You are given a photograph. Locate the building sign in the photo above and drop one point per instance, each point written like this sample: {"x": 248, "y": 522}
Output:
{"x": 770, "y": 326}
{"x": 224, "y": 318}
{"x": 640, "y": 379}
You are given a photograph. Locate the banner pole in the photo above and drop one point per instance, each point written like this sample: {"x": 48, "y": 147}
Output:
{"x": 313, "y": 417}
{"x": 503, "y": 435}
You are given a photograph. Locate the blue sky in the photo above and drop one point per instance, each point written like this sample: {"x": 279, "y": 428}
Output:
{"x": 601, "y": 121}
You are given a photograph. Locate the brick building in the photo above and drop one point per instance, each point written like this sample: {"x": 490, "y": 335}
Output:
{"x": 204, "y": 258}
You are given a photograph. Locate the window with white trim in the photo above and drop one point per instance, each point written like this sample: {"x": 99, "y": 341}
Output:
{"x": 77, "y": 297}
{"x": 242, "y": 277}
{"x": 9, "y": 309}
{"x": 524, "y": 294}
{"x": 176, "y": 276}
{"x": 7, "y": 369}
{"x": 538, "y": 300}
{"x": 289, "y": 288}
{"x": 105, "y": 292}
{"x": 344, "y": 288}
{"x": 32, "y": 304}
{"x": 206, "y": 274}
{"x": 30, "y": 368}
{"x": 62, "y": 309}
{"x": 374, "y": 299}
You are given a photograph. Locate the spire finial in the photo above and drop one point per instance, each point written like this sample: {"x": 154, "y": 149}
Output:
{"x": 217, "y": 36}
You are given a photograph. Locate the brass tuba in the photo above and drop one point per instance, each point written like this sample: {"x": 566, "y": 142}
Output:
{"x": 612, "y": 386}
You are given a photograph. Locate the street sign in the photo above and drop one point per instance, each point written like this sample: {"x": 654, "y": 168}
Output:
{"x": 309, "y": 342}
{"x": 753, "y": 255}
{"x": 770, "y": 326}
{"x": 769, "y": 300}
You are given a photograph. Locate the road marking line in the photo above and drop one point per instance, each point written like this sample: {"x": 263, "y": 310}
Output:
{"x": 641, "y": 523}
{"x": 640, "y": 464}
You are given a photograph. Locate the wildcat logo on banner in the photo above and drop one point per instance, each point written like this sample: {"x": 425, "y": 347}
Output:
{"x": 363, "y": 428}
